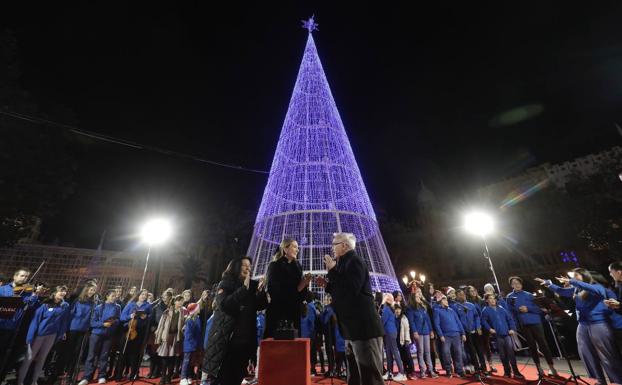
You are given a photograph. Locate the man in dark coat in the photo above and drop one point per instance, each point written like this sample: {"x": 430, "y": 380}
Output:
{"x": 353, "y": 300}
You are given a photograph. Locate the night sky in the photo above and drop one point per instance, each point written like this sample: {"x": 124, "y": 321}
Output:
{"x": 455, "y": 95}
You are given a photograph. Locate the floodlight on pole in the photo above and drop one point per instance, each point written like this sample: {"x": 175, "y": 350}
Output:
{"x": 481, "y": 224}
{"x": 405, "y": 280}
{"x": 154, "y": 232}
{"x": 413, "y": 274}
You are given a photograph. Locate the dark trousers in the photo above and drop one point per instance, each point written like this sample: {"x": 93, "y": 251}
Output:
{"x": 69, "y": 355}
{"x": 316, "y": 349}
{"x": 6, "y": 354}
{"x": 484, "y": 341}
{"x": 364, "y": 361}
{"x": 476, "y": 356}
{"x": 99, "y": 349}
{"x": 330, "y": 352}
{"x": 505, "y": 346}
{"x": 340, "y": 360}
{"x": 134, "y": 353}
{"x": 233, "y": 367}
{"x": 618, "y": 334}
{"x": 535, "y": 338}
{"x": 452, "y": 348}
{"x": 407, "y": 359}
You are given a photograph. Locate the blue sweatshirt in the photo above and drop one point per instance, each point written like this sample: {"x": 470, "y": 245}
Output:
{"x": 49, "y": 320}
{"x": 29, "y": 299}
{"x": 446, "y": 322}
{"x": 102, "y": 313}
{"x": 469, "y": 316}
{"x": 499, "y": 319}
{"x": 81, "y": 313}
{"x": 133, "y": 306}
{"x": 192, "y": 334}
{"x": 327, "y": 314}
{"x": 516, "y": 299}
{"x": 388, "y": 320}
{"x": 340, "y": 343}
{"x": 591, "y": 310}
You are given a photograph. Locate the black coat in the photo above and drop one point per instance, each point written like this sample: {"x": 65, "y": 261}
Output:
{"x": 232, "y": 301}
{"x": 353, "y": 299}
{"x": 282, "y": 279}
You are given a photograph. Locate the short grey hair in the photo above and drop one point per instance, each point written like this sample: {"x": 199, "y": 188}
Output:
{"x": 348, "y": 238}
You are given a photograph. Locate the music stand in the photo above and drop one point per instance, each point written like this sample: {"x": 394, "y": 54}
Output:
{"x": 556, "y": 311}
{"x": 8, "y": 308}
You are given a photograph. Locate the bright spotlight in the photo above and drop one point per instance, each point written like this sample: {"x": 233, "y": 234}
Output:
{"x": 156, "y": 231}
{"x": 422, "y": 278}
{"x": 405, "y": 280}
{"x": 413, "y": 274}
{"x": 478, "y": 223}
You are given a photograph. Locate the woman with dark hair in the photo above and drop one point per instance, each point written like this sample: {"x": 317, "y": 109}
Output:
{"x": 286, "y": 287}
{"x": 135, "y": 317}
{"x": 232, "y": 338}
{"x": 80, "y": 313}
{"x": 47, "y": 326}
{"x": 595, "y": 339}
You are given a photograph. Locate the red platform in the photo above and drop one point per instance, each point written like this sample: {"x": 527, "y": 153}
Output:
{"x": 285, "y": 362}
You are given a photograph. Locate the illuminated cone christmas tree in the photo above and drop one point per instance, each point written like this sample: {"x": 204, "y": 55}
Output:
{"x": 315, "y": 187}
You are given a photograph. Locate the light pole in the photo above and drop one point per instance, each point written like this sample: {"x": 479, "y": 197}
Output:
{"x": 154, "y": 232}
{"x": 481, "y": 224}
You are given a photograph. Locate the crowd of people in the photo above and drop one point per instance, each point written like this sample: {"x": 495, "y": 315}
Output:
{"x": 102, "y": 335}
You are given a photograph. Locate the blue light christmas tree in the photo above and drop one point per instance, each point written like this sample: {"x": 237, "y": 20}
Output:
{"x": 315, "y": 187}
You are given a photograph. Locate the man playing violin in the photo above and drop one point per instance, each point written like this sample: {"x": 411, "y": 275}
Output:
{"x": 19, "y": 287}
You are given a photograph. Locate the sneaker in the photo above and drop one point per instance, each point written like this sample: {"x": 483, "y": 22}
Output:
{"x": 519, "y": 376}
{"x": 101, "y": 381}
{"x": 185, "y": 382}
{"x": 387, "y": 376}
{"x": 83, "y": 382}
{"x": 400, "y": 377}
{"x": 507, "y": 375}
{"x": 433, "y": 374}
{"x": 553, "y": 372}
{"x": 540, "y": 371}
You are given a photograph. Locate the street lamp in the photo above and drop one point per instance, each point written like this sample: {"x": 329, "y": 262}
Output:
{"x": 482, "y": 224}
{"x": 154, "y": 232}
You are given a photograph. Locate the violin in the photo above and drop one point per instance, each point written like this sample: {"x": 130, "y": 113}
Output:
{"x": 132, "y": 333}
{"x": 30, "y": 289}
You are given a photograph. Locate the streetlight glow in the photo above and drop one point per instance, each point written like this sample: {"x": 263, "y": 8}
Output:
{"x": 405, "y": 280}
{"x": 422, "y": 278}
{"x": 413, "y": 274}
{"x": 156, "y": 231}
{"x": 478, "y": 223}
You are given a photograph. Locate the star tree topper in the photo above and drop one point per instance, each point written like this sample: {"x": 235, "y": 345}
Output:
{"x": 310, "y": 24}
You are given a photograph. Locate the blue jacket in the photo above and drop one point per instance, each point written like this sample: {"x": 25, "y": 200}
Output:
{"x": 102, "y": 313}
{"x": 49, "y": 320}
{"x": 80, "y": 314}
{"x": 591, "y": 310}
{"x": 421, "y": 322}
{"x": 517, "y": 299}
{"x": 469, "y": 316}
{"x": 192, "y": 334}
{"x": 208, "y": 326}
{"x": 327, "y": 314}
{"x": 615, "y": 319}
{"x": 388, "y": 320}
{"x": 261, "y": 326}
{"x": 340, "y": 343}
{"x": 499, "y": 319}
{"x": 28, "y": 298}
{"x": 131, "y": 307}
{"x": 307, "y": 324}
{"x": 446, "y": 322}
